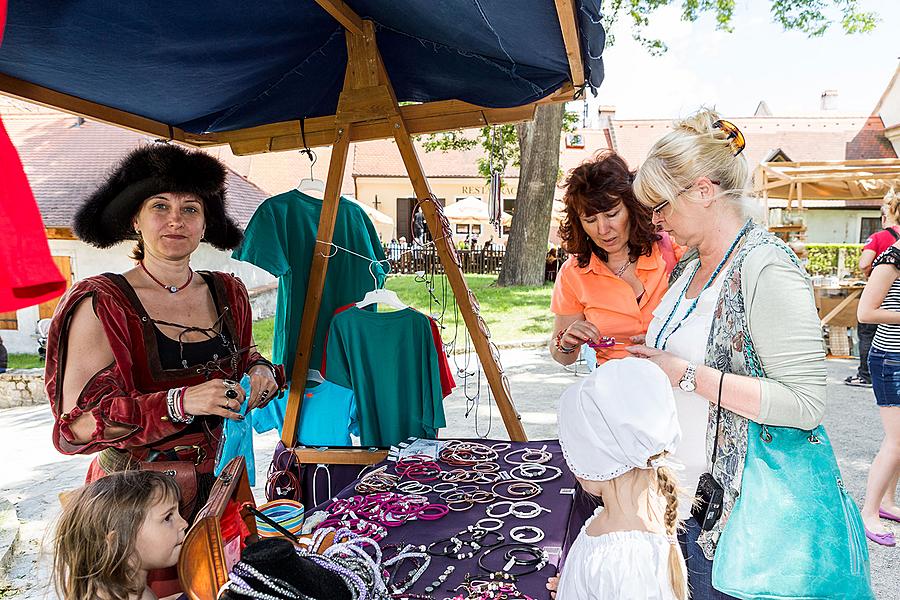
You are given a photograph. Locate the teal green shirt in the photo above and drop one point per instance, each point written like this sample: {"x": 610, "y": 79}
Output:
{"x": 390, "y": 362}
{"x": 281, "y": 238}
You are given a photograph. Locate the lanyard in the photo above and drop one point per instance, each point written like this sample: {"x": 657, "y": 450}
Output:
{"x": 693, "y": 305}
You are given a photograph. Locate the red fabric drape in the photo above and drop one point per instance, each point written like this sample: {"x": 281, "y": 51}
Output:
{"x": 28, "y": 275}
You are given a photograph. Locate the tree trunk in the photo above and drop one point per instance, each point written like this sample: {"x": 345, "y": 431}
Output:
{"x": 526, "y": 249}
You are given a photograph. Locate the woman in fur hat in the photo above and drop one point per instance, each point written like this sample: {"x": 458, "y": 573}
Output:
{"x": 142, "y": 366}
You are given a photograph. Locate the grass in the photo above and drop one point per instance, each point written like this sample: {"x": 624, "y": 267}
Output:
{"x": 511, "y": 313}
{"x": 25, "y": 361}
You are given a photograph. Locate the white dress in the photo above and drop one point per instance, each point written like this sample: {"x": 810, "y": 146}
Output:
{"x": 620, "y": 565}
{"x": 689, "y": 342}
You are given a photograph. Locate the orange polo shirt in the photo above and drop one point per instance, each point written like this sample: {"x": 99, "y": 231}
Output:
{"x": 608, "y": 301}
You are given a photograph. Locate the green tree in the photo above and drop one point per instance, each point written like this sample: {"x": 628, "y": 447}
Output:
{"x": 538, "y": 140}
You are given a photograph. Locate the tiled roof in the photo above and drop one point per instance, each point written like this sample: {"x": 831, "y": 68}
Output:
{"x": 801, "y": 138}
{"x": 65, "y": 162}
{"x": 277, "y": 172}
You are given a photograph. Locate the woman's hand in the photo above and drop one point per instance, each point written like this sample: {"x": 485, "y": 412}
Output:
{"x": 578, "y": 333}
{"x": 673, "y": 366}
{"x": 263, "y": 386}
{"x": 209, "y": 398}
{"x": 552, "y": 584}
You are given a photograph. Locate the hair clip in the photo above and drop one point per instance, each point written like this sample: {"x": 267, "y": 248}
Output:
{"x": 735, "y": 137}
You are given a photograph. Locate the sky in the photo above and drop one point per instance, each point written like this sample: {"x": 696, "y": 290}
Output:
{"x": 758, "y": 61}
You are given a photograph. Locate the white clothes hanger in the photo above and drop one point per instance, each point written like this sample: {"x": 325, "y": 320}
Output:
{"x": 311, "y": 186}
{"x": 380, "y": 295}
{"x": 314, "y": 376}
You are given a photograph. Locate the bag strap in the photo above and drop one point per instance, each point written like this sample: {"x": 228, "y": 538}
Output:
{"x": 668, "y": 252}
{"x": 718, "y": 417}
{"x": 893, "y": 232}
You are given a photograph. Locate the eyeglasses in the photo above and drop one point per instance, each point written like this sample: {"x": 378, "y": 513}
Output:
{"x": 734, "y": 135}
{"x": 657, "y": 210}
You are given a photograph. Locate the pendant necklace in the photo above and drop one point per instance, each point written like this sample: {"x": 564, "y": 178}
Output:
{"x": 621, "y": 270}
{"x": 170, "y": 288}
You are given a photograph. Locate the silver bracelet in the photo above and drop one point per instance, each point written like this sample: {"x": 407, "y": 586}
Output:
{"x": 516, "y": 534}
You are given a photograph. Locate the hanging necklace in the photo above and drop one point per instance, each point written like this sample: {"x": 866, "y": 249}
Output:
{"x": 709, "y": 282}
{"x": 621, "y": 270}
{"x": 171, "y": 288}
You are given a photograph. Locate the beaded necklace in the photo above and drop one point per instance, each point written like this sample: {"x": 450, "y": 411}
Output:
{"x": 709, "y": 282}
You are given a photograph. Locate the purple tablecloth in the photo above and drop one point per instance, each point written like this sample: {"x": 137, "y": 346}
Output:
{"x": 561, "y": 525}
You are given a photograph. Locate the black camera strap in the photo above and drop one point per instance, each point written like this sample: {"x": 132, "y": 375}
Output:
{"x": 718, "y": 417}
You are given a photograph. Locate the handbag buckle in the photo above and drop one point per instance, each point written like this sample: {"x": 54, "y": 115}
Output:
{"x": 198, "y": 450}
{"x": 813, "y": 439}
{"x": 764, "y": 434}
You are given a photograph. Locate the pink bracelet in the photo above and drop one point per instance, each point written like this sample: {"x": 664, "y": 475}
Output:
{"x": 441, "y": 509}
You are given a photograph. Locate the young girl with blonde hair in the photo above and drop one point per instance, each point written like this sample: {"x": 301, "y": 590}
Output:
{"x": 616, "y": 428}
{"x": 113, "y": 531}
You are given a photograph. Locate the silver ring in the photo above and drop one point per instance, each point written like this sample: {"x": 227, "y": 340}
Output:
{"x": 229, "y": 384}
{"x": 264, "y": 394}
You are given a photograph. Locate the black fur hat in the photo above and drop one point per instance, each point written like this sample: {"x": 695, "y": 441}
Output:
{"x": 105, "y": 219}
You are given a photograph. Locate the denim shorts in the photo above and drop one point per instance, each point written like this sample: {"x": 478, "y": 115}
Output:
{"x": 885, "y": 370}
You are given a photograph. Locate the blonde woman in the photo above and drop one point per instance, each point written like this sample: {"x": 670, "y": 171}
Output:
{"x": 738, "y": 336}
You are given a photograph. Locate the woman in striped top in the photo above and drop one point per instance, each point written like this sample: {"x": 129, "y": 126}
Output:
{"x": 880, "y": 303}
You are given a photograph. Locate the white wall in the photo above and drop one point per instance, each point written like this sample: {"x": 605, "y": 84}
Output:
{"x": 835, "y": 226}
{"x": 88, "y": 261}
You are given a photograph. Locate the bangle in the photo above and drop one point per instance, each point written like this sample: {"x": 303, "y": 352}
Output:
{"x": 175, "y": 406}
{"x": 266, "y": 364}
{"x": 559, "y": 345}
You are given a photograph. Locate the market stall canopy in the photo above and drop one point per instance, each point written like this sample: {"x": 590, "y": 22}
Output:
{"x": 814, "y": 183}
{"x": 247, "y": 74}
{"x": 472, "y": 209}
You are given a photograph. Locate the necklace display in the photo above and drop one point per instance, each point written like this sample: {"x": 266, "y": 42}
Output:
{"x": 170, "y": 288}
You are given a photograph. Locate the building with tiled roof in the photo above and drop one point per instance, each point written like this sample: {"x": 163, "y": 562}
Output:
{"x": 65, "y": 159}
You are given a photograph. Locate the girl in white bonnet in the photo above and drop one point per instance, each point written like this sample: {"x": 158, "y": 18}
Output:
{"x": 616, "y": 428}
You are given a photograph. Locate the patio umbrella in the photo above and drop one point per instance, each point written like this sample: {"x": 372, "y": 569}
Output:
{"x": 378, "y": 217}
{"x": 471, "y": 209}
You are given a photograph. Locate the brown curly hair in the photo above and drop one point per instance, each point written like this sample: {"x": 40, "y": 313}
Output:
{"x": 599, "y": 185}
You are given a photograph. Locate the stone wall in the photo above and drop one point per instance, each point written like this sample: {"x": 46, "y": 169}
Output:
{"x": 22, "y": 387}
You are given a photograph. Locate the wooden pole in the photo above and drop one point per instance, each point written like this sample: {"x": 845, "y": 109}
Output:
{"x": 317, "y": 272}
{"x": 465, "y": 299}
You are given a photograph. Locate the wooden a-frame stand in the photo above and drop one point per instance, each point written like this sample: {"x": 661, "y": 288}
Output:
{"x": 368, "y": 94}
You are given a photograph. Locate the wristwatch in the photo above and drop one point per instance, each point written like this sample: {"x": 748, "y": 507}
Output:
{"x": 687, "y": 383}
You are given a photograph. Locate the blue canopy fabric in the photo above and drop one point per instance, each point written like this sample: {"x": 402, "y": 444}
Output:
{"x": 217, "y": 66}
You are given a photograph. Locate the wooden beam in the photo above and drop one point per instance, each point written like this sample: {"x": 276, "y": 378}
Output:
{"x": 343, "y": 14}
{"x": 60, "y": 233}
{"x": 568, "y": 22}
{"x": 24, "y": 90}
{"x": 339, "y": 456}
{"x": 316, "y": 285}
{"x": 837, "y": 309}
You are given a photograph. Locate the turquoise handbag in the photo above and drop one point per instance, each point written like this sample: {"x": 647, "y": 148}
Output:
{"x": 794, "y": 531}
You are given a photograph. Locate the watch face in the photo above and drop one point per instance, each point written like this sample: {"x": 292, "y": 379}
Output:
{"x": 687, "y": 386}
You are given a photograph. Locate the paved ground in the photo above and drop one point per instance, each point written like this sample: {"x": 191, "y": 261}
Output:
{"x": 32, "y": 473}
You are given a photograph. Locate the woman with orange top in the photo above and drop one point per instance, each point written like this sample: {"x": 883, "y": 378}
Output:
{"x": 618, "y": 266}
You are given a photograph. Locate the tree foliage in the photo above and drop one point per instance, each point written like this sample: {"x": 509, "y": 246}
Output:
{"x": 812, "y": 17}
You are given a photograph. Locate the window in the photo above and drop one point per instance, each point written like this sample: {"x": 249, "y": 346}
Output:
{"x": 8, "y": 320}
{"x": 509, "y": 205}
{"x": 868, "y": 226}
{"x": 462, "y": 228}
{"x": 476, "y": 229}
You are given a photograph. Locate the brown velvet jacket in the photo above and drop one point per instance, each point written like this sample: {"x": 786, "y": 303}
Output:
{"x": 131, "y": 391}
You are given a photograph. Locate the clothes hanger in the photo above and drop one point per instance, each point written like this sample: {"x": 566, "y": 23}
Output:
{"x": 314, "y": 376}
{"x": 311, "y": 186}
{"x": 380, "y": 295}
